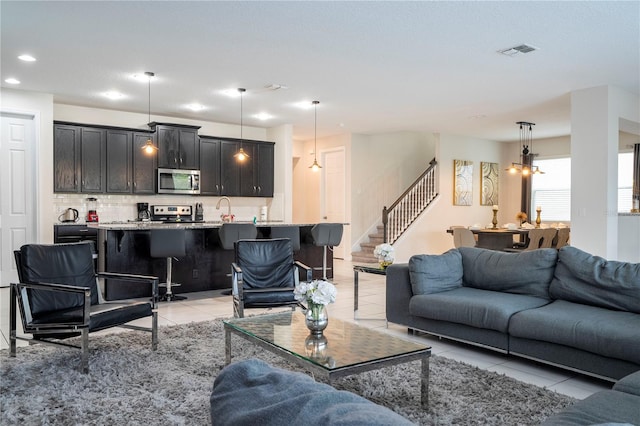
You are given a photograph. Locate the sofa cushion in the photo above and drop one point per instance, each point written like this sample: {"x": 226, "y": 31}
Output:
{"x": 474, "y": 307}
{"x": 605, "y": 407}
{"x": 251, "y": 392}
{"x": 629, "y": 384}
{"x": 604, "y": 332}
{"x": 529, "y": 272}
{"x": 583, "y": 278}
{"x": 435, "y": 273}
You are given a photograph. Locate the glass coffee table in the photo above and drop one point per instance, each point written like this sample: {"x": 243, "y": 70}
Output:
{"x": 344, "y": 348}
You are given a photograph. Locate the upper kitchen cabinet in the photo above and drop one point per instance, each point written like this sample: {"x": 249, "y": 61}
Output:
{"x": 229, "y": 168}
{"x": 177, "y": 145}
{"x": 79, "y": 159}
{"x": 119, "y": 161}
{"x": 256, "y": 175}
{"x": 66, "y": 158}
{"x": 144, "y": 165}
{"x": 210, "y": 166}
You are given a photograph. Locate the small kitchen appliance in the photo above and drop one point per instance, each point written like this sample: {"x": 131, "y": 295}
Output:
{"x": 69, "y": 215}
{"x": 199, "y": 215}
{"x": 143, "y": 212}
{"x": 172, "y": 214}
{"x": 92, "y": 213}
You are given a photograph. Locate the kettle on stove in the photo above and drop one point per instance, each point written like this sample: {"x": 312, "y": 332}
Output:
{"x": 69, "y": 215}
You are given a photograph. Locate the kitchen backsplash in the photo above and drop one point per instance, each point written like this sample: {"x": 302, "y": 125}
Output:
{"x": 122, "y": 208}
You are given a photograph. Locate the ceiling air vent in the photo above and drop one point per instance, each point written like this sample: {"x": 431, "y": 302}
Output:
{"x": 517, "y": 50}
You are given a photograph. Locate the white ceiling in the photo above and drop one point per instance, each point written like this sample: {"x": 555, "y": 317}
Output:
{"x": 374, "y": 66}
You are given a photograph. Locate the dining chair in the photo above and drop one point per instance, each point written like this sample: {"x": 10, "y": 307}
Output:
{"x": 563, "y": 237}
{"x": 463, "y": 237}
{"x": 538, "y": 238}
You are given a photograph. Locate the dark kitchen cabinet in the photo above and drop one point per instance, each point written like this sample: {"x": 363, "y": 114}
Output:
{"x": 229, "y": 168}
{"x": 79, "y": 159}
{"x": 210, "y": 166}
{"x": 177, "y": 146}
{"x": 256, "y": 176}
{"x": 66, "y": 158}
{"x": 144, "y": 165}
{"x": 119, "y": 161}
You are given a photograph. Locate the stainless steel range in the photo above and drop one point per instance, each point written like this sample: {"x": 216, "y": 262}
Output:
{"x": 172, "y": 214}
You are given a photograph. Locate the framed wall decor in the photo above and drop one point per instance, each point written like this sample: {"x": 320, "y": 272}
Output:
{"x": 462, "y": 182}
{"x": 489, "y": 174}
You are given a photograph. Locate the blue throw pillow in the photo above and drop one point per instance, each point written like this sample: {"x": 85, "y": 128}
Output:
{"x": 430, "y": 273}
{"x": 529, "y": 272}
{"x": 583, "y": 278}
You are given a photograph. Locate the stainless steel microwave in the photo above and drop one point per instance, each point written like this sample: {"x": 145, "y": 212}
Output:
{"x": 178, "y": 181}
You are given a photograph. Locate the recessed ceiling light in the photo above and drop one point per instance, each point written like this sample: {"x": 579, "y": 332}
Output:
{"x": 232, "y": 93}
{"x": 195, "y": 107}
{"x": 12, "y": 81}
{"x": 263, "y": 116}
{"x": 114, "y": 96}
{"x": 27, "y": 58}
{"x": 304, "y": 104}
{"x": 143, "y": 77}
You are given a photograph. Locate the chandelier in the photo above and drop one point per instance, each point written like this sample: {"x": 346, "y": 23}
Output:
{"x": 525, "y": 166}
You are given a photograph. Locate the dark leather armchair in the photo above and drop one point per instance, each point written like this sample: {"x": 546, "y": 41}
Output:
{"x": 264, "y": 274}
{"x": 58, "y": 297}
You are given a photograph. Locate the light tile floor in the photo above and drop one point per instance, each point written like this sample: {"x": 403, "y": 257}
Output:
{"x": 209, "y": 305}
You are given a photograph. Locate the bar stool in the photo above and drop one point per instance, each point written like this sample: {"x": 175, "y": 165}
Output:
{"x": 168, "y": 243}
{"x": 326, "y": 235}
{"x": 290, "y": 232}
{"x": 231, "y": 232}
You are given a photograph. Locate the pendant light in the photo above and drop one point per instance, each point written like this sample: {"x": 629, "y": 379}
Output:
{"x": 315, "y": 166}
{"x": 525, "y": 166}
{"x": 241, "y": 155}
{"x": 149, "y": 148}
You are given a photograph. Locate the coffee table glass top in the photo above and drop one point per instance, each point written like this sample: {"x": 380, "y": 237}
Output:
{"x": 343, "y": 344}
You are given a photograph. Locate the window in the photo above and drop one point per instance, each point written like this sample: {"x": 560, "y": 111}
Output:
{"x": 625, "y": 181}
{"x": 552, "y": 190}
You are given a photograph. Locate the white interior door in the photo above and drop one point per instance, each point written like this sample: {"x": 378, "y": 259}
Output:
{"x": 17, "y": 190}
{"x": 334, "y": 193}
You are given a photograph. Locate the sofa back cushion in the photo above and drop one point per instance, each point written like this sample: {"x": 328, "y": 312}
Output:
{"x": 529, "y": 272}
{"x": 435, "y": 273}
{"x": 583, "y": 278}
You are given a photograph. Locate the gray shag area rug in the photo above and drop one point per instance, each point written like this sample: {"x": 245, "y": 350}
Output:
{"x": 128, "y": 384}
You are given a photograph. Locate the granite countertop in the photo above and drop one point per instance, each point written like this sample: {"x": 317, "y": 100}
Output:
{"x": 141, "y": 226}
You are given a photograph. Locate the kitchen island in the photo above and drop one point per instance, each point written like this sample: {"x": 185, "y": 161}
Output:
{"x": 124, "y": 247}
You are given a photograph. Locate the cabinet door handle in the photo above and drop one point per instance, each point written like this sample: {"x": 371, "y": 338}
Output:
{"x": 135, "y": 184}
{"x": 128, "y": 184}
{"x": 217, "y": 186}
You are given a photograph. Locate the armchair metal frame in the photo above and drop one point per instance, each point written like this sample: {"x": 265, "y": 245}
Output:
{"x": 239, "y": 291}
{"x": 77, "y": 325}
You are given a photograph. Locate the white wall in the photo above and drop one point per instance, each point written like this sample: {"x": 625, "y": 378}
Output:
{"x": 428, "y": 233}
{"x": 383, "y": 167}
{"x": 595, "y": 121}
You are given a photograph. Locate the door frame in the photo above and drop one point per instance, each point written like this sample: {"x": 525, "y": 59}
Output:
{"x": 34, "y": 118}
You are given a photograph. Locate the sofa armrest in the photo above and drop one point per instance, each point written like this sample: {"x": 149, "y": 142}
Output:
{"x": 399, "y": 293}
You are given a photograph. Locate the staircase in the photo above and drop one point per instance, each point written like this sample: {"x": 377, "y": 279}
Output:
{"x": 365, "y": 255}
{"x": 397, "y": 218}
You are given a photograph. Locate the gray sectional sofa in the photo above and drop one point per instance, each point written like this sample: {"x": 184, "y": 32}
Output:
{"x": 566, "y": 307}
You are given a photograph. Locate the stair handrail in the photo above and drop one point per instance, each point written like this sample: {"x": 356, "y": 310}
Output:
{"x": 416, "y": 198}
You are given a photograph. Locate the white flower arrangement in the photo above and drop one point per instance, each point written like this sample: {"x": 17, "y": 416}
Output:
{"x": 316, "y": 292}
{"x": 384, "y": 252}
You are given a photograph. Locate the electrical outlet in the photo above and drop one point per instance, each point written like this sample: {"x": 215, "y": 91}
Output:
{"x": 195, "y": 273}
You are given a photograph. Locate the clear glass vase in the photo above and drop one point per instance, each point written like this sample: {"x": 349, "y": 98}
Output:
{"x": 316, "y": 318}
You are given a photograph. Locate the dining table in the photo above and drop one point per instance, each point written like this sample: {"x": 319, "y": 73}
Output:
{"x": 497, "y": 238}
